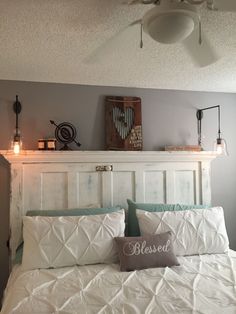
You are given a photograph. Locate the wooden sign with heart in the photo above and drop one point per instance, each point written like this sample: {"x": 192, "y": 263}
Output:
{"x": 123, "y": 123}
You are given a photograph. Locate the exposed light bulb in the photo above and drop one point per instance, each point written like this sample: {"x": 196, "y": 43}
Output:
{"x": 16, "y": 147}
{"x": 16, "y": 144}
{"x": 219, "y": 149}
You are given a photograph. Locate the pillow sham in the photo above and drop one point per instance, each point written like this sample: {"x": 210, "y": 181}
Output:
{"x": 149, "y": 251}
{"x": 63, "y": 212}
{"x": 196, "y": 231}
{"x": 133, "y": 226}
{"x": 51, "y": 242}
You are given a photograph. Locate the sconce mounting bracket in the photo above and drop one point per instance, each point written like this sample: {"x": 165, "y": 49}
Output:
{"x": 17, "y": 106}
{"x": 199, "y": 114}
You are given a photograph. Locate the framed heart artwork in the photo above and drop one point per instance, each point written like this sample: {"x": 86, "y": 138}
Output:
{"x": 123, "y": 123}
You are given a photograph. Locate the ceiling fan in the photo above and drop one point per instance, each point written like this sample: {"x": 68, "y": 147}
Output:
{"x": 221, "y": 5}
{"x": 174, "y": 21}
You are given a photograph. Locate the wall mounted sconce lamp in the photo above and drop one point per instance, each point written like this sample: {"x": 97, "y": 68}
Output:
{"x": 17, "y": 143}
{"x": 220, "y": 144}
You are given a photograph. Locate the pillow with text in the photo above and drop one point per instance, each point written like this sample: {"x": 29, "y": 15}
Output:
{"x": 146, "y": 252}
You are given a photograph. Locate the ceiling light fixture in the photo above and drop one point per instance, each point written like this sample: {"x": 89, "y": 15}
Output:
{"x": 171, "y": 22}
{"x": 17, "y": 143}
{"x": 220, "y": 145}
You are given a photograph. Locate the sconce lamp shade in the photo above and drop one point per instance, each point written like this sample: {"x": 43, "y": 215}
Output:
{"x": 220, "y": 147}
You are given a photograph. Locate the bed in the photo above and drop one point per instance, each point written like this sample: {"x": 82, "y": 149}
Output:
{"x": 202, "y": 284}
{"x": 203, "y": 280}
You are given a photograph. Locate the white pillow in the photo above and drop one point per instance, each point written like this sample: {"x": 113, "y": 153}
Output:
{"x": 66, "y": 241}
{"x": 196, "y": 231}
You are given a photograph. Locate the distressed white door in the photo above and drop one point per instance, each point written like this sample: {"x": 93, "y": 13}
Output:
{"x": 62, "y": 186}
{"x": 155, "y": 183}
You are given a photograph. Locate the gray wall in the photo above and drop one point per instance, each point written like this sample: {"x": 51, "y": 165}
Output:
{"x": 169, "y": 117}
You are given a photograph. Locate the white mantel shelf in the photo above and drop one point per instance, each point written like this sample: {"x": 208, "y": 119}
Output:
{"x": 34, "y": 156}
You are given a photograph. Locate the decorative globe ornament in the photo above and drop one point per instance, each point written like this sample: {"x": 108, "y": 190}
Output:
{"x": 65, "y": 133}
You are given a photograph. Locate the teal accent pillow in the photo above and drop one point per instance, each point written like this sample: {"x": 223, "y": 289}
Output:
{"x": 133, "y": 226}
{"x": 73, "y": 212}
{"x": 63, "y": 212}
{"x": 19, "y": 254}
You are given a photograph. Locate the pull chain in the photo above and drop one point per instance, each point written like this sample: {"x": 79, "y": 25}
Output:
{"x": 141, "y": 35}
{"x": 200, "y": 31}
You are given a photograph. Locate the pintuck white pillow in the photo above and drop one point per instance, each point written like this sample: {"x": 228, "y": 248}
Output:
{"x": 51, "y": 242}
{"x": 196, "y": 231}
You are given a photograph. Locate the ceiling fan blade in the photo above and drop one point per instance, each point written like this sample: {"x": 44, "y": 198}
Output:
{"x": 202, "y": 54}
{"x": 222, "y": 5}
{"x": 109, "y": 46}
{"x": 130, "y": 2}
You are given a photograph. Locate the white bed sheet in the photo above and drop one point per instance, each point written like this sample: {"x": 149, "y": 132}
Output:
{"x": 201, "y": 284}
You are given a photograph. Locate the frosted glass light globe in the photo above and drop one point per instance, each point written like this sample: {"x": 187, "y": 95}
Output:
{"x": 170, "y": 22}
{"x": 170, "y": 28}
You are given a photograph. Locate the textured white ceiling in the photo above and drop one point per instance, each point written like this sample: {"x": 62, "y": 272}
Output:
{"x": 82, "y": 42}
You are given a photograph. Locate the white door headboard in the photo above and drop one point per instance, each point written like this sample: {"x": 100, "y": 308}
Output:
{"x": 62, "y": 180}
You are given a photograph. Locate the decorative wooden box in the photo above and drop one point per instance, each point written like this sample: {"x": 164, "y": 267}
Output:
{"x": 123, "y": 123}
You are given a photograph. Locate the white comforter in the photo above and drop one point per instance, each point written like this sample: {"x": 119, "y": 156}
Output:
{"x": 202, "y": 284}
